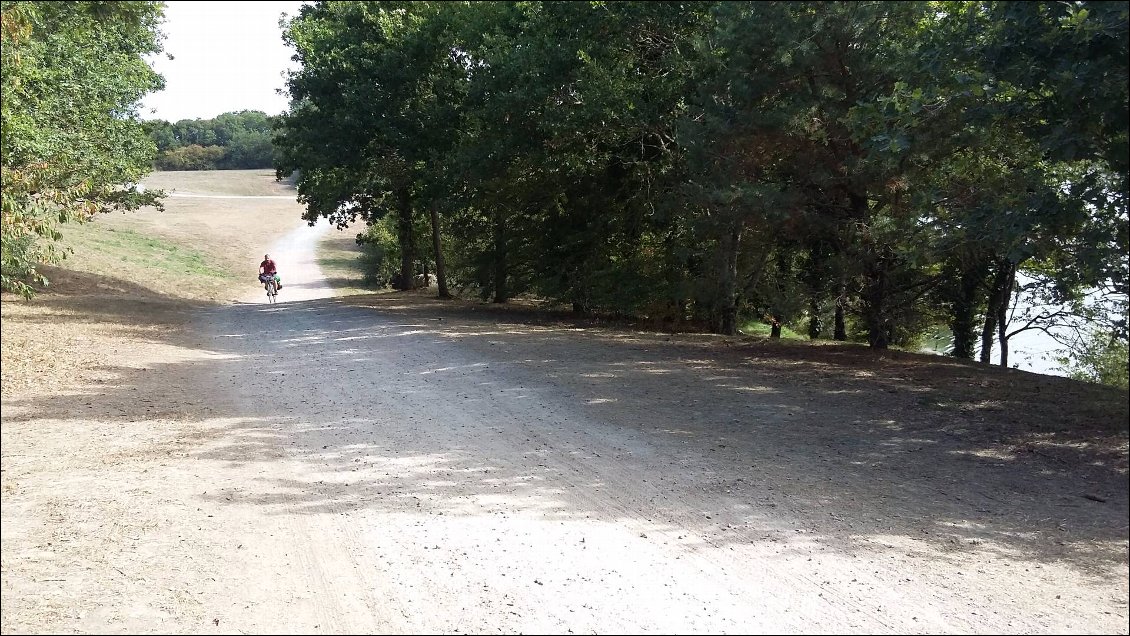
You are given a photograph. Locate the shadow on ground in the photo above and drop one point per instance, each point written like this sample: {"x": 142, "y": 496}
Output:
{"x": 735, "y": 441}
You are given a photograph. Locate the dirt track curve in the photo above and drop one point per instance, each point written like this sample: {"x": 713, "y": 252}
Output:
{"x": 325, "y": 466}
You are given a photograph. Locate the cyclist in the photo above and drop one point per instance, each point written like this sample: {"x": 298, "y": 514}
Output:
{"x": 267, "y": 270}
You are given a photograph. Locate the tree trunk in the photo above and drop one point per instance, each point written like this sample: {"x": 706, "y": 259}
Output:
{"x": 839, "y": 331}
{"x": 878, "y": 262}
{"x": 965, "y": 314}
{"x": 987, "y": 334}
{"x": 406, "y": 238}
{"x": 1002, "y": 333}
{"x": 874, "y": 306}
{"x": 997, "y": 297}
{"x": 875, "y": 294}
{"x": 579, "y": 289}
{"x": 1002, "y": 312}
{"x": 501, "y": 294}
{"x": 728, "y": 323}
{"x": 814, "y": 325}
{"x": 678, "y": 309}
{"x": 437, "y": 246}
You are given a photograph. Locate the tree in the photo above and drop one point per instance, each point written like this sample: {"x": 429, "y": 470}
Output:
{"x": 373, "y": 101}
{"x": 1053, "y": 77}
{"x": 192, "y": 157}
{"x": 898, "y": 164}
{"x": 567, "y": 135}
{"x": 232, "y": 141}
{"x": 1100, "y": 357}
{"x": 71, "y": 142}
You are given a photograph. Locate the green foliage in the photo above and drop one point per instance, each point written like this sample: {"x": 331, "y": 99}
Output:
{"x": 70, "y": 140}
{"x": 1103, "y": 358}
{"x": 191, "y": 157}
{"x": 763, "y": 329}
{"x": 704, "y": 161}
{"x": 380, "y": 253}
{"x": 233, "y": 141}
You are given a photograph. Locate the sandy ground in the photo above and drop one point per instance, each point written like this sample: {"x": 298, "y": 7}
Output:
{"x": 395, "y": 464}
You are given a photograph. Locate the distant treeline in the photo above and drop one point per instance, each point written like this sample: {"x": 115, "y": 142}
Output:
{"x": 232, "y": 141}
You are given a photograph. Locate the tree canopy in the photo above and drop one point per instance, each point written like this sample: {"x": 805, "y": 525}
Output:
{"x": 71, "y": 143}
{"x": 232, "y": 141}
{"x": 866, "y": 169}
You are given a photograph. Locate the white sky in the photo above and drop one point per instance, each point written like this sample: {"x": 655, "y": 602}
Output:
{"x": 228, "y": 56}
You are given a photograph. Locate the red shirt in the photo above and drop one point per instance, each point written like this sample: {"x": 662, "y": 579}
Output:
{"x": 268, "y": 266}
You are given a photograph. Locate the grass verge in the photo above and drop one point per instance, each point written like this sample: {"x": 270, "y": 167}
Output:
{"x": 339, "y": 257}
{"x": 762, "y": 330}
{"x": 135, "y": 259}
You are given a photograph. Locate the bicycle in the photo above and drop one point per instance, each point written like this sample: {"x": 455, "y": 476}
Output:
{"x": 272, "y": 285}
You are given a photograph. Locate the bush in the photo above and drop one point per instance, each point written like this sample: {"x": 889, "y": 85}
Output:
{"x": 191, "y": 158}
{"x": 380, "y": 253}
{"x": 1103, "y": 359}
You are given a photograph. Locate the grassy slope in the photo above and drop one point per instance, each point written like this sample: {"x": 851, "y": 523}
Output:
{"x": 154, "y": 263}
{"x": 198, "y": 249}
{"x": 132, "y": 277}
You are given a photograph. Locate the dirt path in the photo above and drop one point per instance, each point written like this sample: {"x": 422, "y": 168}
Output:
{"x": 298, "y": 267}
{"x": 396, "y": 467}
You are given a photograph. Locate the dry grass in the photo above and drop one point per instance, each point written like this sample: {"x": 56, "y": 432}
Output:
{"x": 230, "y": 182}
{"x": 59, "y": 344}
